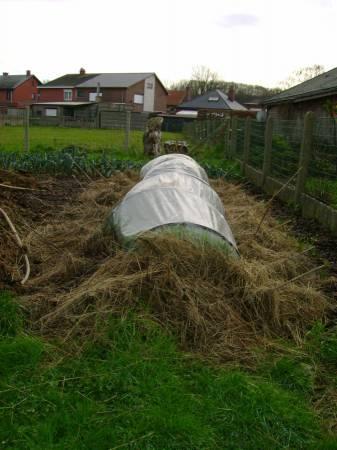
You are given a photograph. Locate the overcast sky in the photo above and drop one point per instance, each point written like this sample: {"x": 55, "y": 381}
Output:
{"x": 250, "y": 41}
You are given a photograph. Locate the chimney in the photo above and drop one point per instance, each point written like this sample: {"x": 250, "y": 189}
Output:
{"x": 82, "y": 71}
{"x": 28, "y": 73}
{"x": 5, "y": 74}
{"x": 98, "y": 93}
{"x": 231, "y": 93}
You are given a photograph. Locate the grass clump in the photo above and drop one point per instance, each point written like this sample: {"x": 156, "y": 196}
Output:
{"x": 10, "y": 315}
{"x": 322, "y": 343}
{"x": 131, "y": 387}
{"x": 324, "y": 190}
{"x": 292, "y": 373}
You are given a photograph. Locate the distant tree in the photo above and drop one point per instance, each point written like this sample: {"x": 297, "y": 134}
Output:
{"x": 302, "y": 74}
{"x": 179, "y": 85}
{"x": 204, "y": 79}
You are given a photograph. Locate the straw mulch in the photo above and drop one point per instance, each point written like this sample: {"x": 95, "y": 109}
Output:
{"x": 217, "y": 306}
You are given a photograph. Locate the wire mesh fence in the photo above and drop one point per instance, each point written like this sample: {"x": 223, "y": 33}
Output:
{"x": 226, "y": 134}
{"x": 286, "y": 146}
{"x": 20, "y": 131}
{"x": 240, "y": 138}
{"x": 12, "y": 138}
{"x": 322, "y": 180}
{"x": 256, "y": 153}
{"x": 285, "y": 152}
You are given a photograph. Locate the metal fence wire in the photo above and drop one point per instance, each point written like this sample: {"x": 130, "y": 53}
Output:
{"x": 240, "y": 137}
{"x": 256, "y": 153}
{"x": 322, "y": 180}
{"x": 285, "y": 158}
{"x": 286, "y": 147}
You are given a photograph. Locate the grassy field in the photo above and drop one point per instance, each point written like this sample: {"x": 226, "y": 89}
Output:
{"x": 132, "y": 388}
{"x": 94, "y": 143}
{"x": 94, "y": 140}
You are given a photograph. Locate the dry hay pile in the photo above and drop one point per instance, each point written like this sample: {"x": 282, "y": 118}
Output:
{"x": 218, "y": 306}
{"x": 27, "y": 201}
{"x": 11, "y": 261}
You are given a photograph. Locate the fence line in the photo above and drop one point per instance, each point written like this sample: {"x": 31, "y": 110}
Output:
{"x": 106, "y": 119}
{"x": 23, "y": 121}
{"x": 271, "y": 153}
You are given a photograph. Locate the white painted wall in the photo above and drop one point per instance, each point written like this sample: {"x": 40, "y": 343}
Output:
{"x": 149, "y": 93}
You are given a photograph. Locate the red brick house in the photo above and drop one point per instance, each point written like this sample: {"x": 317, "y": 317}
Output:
{"x": 18, "y": 90}
{"x": 144, "y": 92}
{"x": 176, "y": 97}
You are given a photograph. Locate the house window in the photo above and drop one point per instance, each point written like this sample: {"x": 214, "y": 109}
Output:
{"x": 93, "y": 96}
{"x": 138, "y": 99}
{"x": 51, "y": 112}
{"x": 80, "y": 93}
{"x": 9, "y": 95}
{"x": 68, "y": 95}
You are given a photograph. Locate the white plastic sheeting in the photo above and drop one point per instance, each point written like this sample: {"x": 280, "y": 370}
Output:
{"x": 174, "y": 190}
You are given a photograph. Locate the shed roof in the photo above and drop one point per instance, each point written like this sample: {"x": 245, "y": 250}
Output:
{"x": 12, "y": 81}
{"x": 319, "y": 86}
{"x": 215, "y": 99}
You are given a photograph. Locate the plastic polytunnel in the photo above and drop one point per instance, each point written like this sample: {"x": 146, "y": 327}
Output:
{"x": 173, "y": 191}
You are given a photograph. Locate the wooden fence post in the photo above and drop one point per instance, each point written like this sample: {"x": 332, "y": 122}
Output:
{"x": 26, "y": 128}
{"x": 305, "y": 156}
{"x": 234, "y": 135}
{"x": 268, "y": 146}
{"x": 127, "y": 129}
{"x": 246, "y": 144}
{"x": 208, "y": 129}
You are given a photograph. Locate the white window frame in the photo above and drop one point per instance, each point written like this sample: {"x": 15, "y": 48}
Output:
{"x": 50, "y": 112}
{"x": 138, "y": 99}
{"x": 67, "y": 95}
{"x": 93, "y": 96}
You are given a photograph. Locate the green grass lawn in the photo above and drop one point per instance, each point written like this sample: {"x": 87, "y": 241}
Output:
{"x": 94, "y": 143}
{"x": 94, "y": 140}
{"x": 132, "y": 388}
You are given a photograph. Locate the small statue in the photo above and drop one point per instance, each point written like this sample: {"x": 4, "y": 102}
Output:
{"x": 152, "y": 136}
